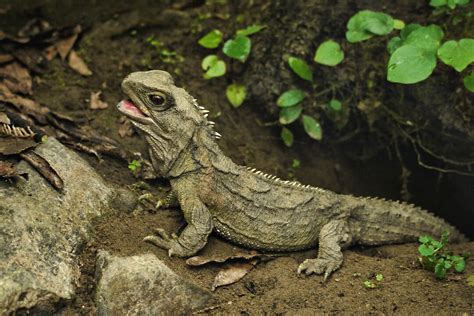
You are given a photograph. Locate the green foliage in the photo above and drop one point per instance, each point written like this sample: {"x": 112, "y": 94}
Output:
{"x": 329, "y": 53}
{"x": 134, "y": 165}
{"x": 290, "y": 98}
{"x": 250, "y": 30}
{"x": 301, "y": 68}
{"x": 448, "y": 3}
{"x": 236, "y": 94}
{"x": 413, "y": 54}
{"x": 238, "y": 47}
{"x": 213, "y": 66}
{"x": 379, "y": 277}
{"x": 435, "y": 258}
{"x": 287, "y": 136}
{"x": 365, "y": 24}
{"x": 335, "y": 105}
{"x": 312, "y": 127}
{"x": 398, "y": 24}
{"x": 469, "y": 82}
{"x": 165, "y": 55}
{"x": 295, "y": 163}
{"x": 369, "y": 284}
{"x": 211, "y": 39}
{"x": 290, "y": 114}
{"x": 410, "y": 64}
{"x": 457, "y": 54}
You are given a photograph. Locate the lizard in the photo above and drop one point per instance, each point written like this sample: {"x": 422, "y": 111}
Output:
{"x": 247, "y": 206}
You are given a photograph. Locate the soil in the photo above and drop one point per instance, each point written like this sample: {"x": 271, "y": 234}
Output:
{"x": 114, "y": 43}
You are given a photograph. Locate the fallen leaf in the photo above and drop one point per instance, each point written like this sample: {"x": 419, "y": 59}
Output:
{"x": 65, "y": 45}
{"x": 17, "y": 78}
{"x": 5, "y": 58}
{"x": 24, "y": 105}
{"x": 50, "y": 52}
{"x": 96, "y": 103}
{"x": 201, "y": 260}
{"x": 232, "y": 273}
{"x": 44, "y": 168}
{"x": 77, "y": 64}
{"x": 33, "y": 28}
{"x": 125, "y": 128}
{"x": 14, "y": 145}
{"x": 7, "y": 170}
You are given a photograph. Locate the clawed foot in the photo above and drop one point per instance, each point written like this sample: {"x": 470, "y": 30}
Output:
{"x": 168, "y": 242}
{"x": 319, "y": 266}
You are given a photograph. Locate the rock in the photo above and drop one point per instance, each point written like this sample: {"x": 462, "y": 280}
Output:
{"x": 42, "y": 230}
{"x": 143, "y": 285}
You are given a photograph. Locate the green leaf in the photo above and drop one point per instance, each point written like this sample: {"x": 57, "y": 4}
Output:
{"x": 457, "y": 54}
{"x": 394, "y": 44}
{"x": 329, "y": 53}
{"x": 369, "y": 284}
{"x": 440, "y": 270}
{"x": 213, "y": 67}
{"x": 290, "y": 114}
{"x": 250, "y": 30}
{"x": 236, "y": 94}
{"x": 425, "y": 239}
{"x": 290, "y": 98}
{"x": 238, "y": 47}
{"x": 287, "y": 136}
{"x": 379, "y": 277}
{"x": 134, "y": 165}
{"x": 335, "y": 105}
{"x": 438, "y": 3}
{"x": 410, "y": 64}
{"x": 469, "y": 82}
{"x": 459, "y": 265}
{"x": 312, "y": 127}
{"x": 426, "y": 37}
{"x": 398, "y": 24}
{"x": 408, "y": 29}
{"x": 301, "y": 68}
{"x": 296, "y": 163}
{"x": 425, "y": 250}
{"x": 364, "y": 24}
{"x": 211, "y": 39}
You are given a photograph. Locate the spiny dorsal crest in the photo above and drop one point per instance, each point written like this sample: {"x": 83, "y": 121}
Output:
{"x": 205, "y": 113}
{"x": 280, "y": 181}
{"x": 15, "y": 131}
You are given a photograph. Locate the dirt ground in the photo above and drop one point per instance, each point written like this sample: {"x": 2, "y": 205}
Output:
{"x": 113, "y": 44}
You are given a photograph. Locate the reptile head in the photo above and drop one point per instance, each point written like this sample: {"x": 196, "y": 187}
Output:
{"x": 168, "y": 115}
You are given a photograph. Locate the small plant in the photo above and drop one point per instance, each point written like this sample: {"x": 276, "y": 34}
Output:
{"x": 165, "y": 55}
{"x": 435, "y": 258}
{"x": 134, "y": 165}
{"x": 451, "y": 4}
{"x": 238, "y": 48}
{"x": 370, "y": 284}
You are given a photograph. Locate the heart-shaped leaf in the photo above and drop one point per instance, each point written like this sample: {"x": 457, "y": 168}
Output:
{"x": 238, "y": 47}
{"x": 213, "y": 67}
{"x": 410, "y": 64}
{"x": 469, "y": 82}
{"x": 365, "y": 24}
{"x": 457, "y": 54}
{"x": 329, "y": 53}
{"x": 211, "y": 39}
{"x": 236, "y": 94}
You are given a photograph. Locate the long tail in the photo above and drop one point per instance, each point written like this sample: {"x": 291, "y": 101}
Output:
{"x": 376, "y": 221}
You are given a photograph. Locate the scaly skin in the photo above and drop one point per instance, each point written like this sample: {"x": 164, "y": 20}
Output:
{"x": 246, "y": 206}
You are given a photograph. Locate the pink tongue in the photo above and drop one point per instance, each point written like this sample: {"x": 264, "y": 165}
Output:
{"x": 130, "y": 107}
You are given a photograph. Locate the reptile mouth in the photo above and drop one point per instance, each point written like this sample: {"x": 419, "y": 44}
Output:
{"x": 129, "y": 109}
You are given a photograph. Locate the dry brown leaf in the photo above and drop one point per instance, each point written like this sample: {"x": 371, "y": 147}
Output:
{"x": 44, "y": 168}
{"x": 14, "y": 146}
{"x": 5, "y": 58}
{"x": 77, "y": 64}
{"x": 201, "y": 260}
{"x": 64, "y": 46}
{"x": 17, "y": 78}
{"x": 24, "y": 105}
{"x": 232, "y": 273}
{"x": 50, "y": 52}
{"x": 7, "y": 170}
{"x": 125, "y": 128}
{"x": 96, "y": 103}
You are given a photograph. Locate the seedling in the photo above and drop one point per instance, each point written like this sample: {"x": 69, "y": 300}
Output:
{"x": 435, "y": 258}
{"x": 370, "y": 284}
{"x": 134, "y": 165}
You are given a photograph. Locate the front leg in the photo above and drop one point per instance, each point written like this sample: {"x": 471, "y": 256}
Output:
{"x": 194, "y": 237}
{"x": 334, "y": 236}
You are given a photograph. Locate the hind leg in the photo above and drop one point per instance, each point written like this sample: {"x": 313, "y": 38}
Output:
{"x": 333, "y": 237}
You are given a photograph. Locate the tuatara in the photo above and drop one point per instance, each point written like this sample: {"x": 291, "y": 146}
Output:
{"x": 247, "y": 206}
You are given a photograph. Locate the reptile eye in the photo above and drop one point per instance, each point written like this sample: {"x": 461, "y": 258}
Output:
{"x": 157, "y": 99}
